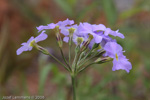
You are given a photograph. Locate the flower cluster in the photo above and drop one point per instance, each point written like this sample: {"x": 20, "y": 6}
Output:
{"x": 91, "y": 41}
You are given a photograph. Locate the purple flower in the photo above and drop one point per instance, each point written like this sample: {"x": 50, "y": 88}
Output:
{"x": 26, "y": 46}
{"x": 61, "y": 24}
{"x": 65, "y": 32}
{"x": 76, "y": 34}
{"x": 87, "y": 28}
{"x": 99, "y": 27}
{"x": 117, "y": 33}
{"x": 122, "y": 63}
{"x": 66, "y": 39}
{"x": 114, "y": 33}
{"x": 114, "y": 51}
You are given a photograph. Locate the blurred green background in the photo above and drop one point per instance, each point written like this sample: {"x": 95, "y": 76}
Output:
{"x": 33, "y": 73}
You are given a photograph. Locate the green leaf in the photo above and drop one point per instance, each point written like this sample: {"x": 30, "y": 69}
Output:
{"x": 110, "y": 11}
{"x": 4, "y": 55}
{"x": 65, "y": 6}
{"x": 43, "y": 75}
{"x": 72, "y": 2}
{"x": 129, "y": 13}
{"x": 24, "y": 84}
{"x": 81, "y": 15}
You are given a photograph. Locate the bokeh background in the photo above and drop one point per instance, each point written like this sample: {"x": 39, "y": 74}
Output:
{"x": 33, "y": 73}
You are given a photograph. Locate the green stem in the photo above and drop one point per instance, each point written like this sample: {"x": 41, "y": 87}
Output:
{"x": 65, "y": 59}
{"x": 85, "y": 61}
{"x": 69, "y": 55}
{"x": 73, "y": 78}
{"x": 44, "y": 51}
{"x": 85, "y": 57}
{"x": 76, "y": 61}
{"x": 59, "y": 61}
{"x": 85, "y": 67}
{"x": 70, "y": 43}
{"x": 73, "y": 64}
{"x": 81, "y": 55}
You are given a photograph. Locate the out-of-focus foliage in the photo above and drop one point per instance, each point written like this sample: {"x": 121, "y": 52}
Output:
{"x": 34, "y": 74}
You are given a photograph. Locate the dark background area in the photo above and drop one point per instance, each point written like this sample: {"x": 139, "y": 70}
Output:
{"x": 33, "y": 73}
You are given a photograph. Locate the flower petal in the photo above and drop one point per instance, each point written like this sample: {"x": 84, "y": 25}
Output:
{"x": 65, "y": 22}
{"x": 107, "y": 31}
{"x": 41, "y": 37}
{"x": 112, "y": 48}
{"x": 66, "y": 39}
{"x": 21, "y": 49}
{"x": 64, "y": 31}
{"x": 117, "y": 33}
{"x": 84, "y": 28}
{"x": 99, "y": 27}
{"x": 31, "y": 39}
{"x": 97, "y": 38}
{"x": 50, "y": 26}
{"x": 123, "y": 64}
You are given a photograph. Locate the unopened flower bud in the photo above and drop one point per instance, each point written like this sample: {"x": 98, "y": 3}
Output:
{"x": 58, "y": 37}
{"x": 103, "y": 60}
{"x": 95, "y": 46}
{"x": 86, "y": 43}
{"x": 43, "y": 50}
{"x": 90, "y": 37}
{"x": 99, "y": 47}
{"x": 100, "y": 53}
{"x": 59, "y": 40}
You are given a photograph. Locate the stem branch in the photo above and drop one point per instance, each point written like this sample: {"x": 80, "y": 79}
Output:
{"x": 65, "y": 59}
{"x": 59, "y": 61}
{"x": 82, "y": 69}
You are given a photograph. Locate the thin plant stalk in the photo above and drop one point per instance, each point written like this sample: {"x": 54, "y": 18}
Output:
{"x": 59, "y": 62}
{"x": 70, "y": 43}
{"x": 65, "y": 59}
{"x": 82, "y": 69}
{"x": 73, "y": 78}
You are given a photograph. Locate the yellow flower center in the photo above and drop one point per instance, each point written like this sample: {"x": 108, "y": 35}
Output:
{"x": 117, "y": 57}
{"x": 80, "y": 40}
{"x": 71, "y": 31}
{"x": 32, "y": 43}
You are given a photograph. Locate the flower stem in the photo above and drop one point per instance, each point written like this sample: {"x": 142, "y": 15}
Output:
{"x": 70, "y": 45}
{"x": 85, "y": 57}
{"x": 85, "y": 61}
{"x": 59, "y": 61}
{"x": 73, "y": 78}
{"x": 65, "y": 59}
{"x": 82, "y": 69}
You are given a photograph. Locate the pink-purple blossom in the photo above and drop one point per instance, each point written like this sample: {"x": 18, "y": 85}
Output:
{"x": 101, "y": 36}
{"x": 61, "y": 25}
{"x": 26, "y": 46}
{"x": 114, "y": 51}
